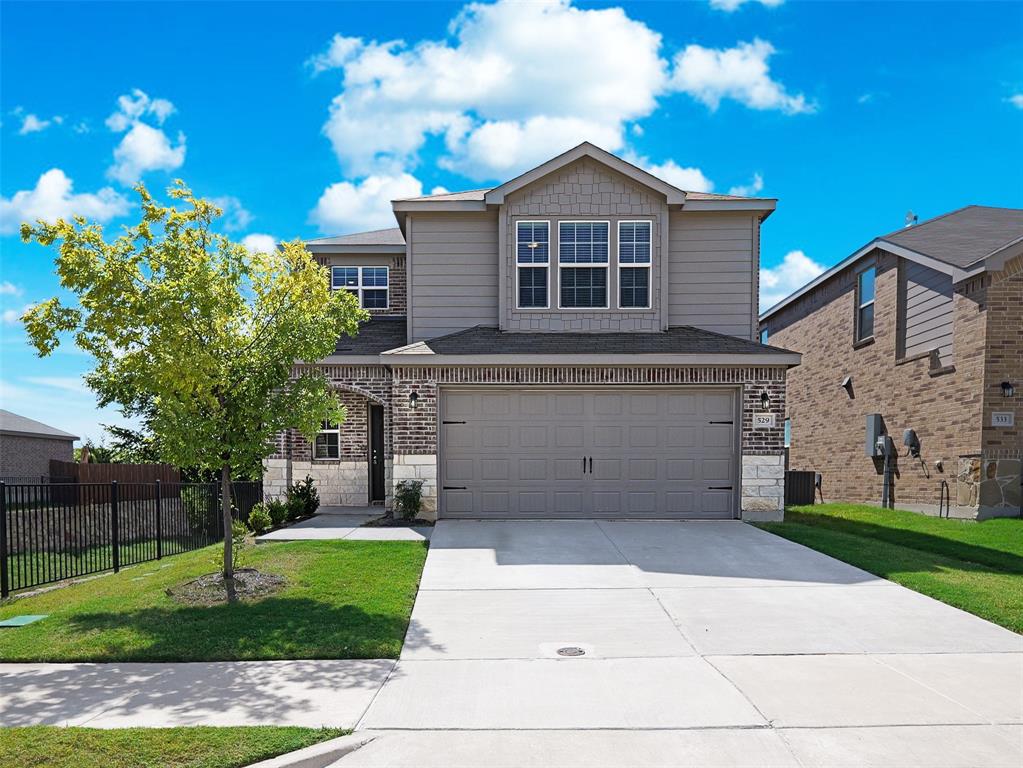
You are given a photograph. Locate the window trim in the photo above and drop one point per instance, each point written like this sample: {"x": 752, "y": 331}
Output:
{"x": 606, "y": 266}
{"x": 335, "y": 431}
{"x": 858, "y": 338}
{"x": 546, "y": 266}
{"x": 648, "y": 266}
{"x": 359, "y": 288}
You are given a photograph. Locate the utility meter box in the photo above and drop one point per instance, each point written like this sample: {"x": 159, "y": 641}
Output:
{"x": 875, "y": 430}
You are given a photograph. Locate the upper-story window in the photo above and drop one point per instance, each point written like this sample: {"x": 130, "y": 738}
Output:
{"x": 763, "y": 335}
{"x": 328, "y": 441}
{"x": 532, "y": 258}
{"x": 583, "y": 248}
{"x": 865, "y": 304}
{"x": 634, "y": 264}
{"x": 368, "y": 284}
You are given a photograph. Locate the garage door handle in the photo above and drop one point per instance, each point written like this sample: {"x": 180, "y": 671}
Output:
{"x": 453, "y": 488}
{"x": 719, "y": 487}
{"x": 452, "y": 422}
{"x": 591, "y": 465}
{"x": 720, "y": 422}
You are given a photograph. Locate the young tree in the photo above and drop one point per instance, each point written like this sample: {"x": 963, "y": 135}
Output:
{"x": 187, "y": 323}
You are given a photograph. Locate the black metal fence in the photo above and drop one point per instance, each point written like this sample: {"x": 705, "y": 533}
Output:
{"x": 56, "y": 531}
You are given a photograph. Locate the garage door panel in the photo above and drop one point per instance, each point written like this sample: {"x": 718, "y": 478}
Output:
{"x": 654, "y": 455}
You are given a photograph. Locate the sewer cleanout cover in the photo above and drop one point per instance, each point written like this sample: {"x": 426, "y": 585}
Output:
{"x": 571, "y": 650}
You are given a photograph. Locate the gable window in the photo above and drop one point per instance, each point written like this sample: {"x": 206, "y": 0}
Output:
{"x": 532, "y": 259}
{"x": 634, "y": 264}
{"x": 865, "y": 304}
{"x": 367, "y": 284}
{"x": 583, "y": 248}
{"x": 328, "y": 441}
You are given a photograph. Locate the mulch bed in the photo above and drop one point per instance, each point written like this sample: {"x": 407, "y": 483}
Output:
{"x": 389, "y": 521}
{"x": 249, "y": 584}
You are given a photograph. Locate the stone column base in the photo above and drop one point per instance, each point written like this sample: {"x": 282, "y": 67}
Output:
{"x": 763, "y": 488}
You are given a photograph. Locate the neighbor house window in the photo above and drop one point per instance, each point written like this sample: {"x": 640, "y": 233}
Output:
{"x": 763, "y": 335}
{"x": 634, "y": 264}
{"x": 583, "y": 248}
{"x": 368, "y": 284}
{"x": 328, "y": 441}
{"x": 532, "y": 258}
{"x": 865, "y": 304}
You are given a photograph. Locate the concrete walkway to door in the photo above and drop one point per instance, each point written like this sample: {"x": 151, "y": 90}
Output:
{"x": 705, "y": 643}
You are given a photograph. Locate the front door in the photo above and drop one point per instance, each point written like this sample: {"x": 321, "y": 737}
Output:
{"x": 376, "y": 454}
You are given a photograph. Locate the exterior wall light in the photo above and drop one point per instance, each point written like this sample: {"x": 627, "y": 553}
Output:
{"x": 1007, "y": 389}
{"x": 765, "y": 399}
{"x": 413, "y": 400}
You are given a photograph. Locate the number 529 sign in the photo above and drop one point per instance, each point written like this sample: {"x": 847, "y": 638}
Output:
{"x": 763, "y": 420}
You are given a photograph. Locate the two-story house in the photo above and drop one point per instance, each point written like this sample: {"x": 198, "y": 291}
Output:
{"x": 922, "y": 327}
{"x": 578, "y": 342}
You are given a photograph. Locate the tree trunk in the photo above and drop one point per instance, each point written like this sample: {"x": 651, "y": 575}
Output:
{"x": 225, "y": 506}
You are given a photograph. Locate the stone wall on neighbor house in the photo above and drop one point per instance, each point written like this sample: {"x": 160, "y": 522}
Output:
{"x": 947, "y": 403}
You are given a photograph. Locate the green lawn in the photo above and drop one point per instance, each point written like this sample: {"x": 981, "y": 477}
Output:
{"x": 974, "y": 566}
{"x": 198, "y": 747}
{"x": 343, "y": 600}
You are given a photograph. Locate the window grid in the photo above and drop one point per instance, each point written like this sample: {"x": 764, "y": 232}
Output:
{"x": 532, "y": 258}
{"x": 634, "y": 264}
{"x": 368, "y": 284}
{"x": 328, "y": 441}
{"x": 583, "y": 255}
{"x": 865, "y": 304}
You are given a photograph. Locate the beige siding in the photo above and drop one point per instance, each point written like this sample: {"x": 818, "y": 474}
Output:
{"x": 453, "y": 273}
{"x": 926, "y": 312}
{"x": 710, "y": 272}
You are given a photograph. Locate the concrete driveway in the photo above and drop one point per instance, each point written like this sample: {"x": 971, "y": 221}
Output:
{"x": 704, "y": 643}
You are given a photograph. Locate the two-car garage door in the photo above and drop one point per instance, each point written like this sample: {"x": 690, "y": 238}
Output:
{"x": 571, "y": 453}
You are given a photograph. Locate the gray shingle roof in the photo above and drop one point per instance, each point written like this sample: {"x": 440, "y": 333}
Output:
{"x": 379, "y": 334}
{"x": 391, "y": 236}
{"x": 13, "y": 424}
{"x": 469, "y": 194}
{"x": 488, "y": 340}
{"x": 962, "y": 237}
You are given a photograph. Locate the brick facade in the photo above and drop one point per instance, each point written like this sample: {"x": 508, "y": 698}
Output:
{"x": 397, "y": 296}
{"x": 948, "y": 406}
{"x": 23, "y": 456}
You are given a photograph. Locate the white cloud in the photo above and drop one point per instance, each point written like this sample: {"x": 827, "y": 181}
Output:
{"x": 514, "y": 84}
{"x": 686, "y": 179}
{"x": 1016, "y": 100}
{"x": 348, "y": 207}
{"x": 740, "y": 73}
{"x": 755, "y": 186}
{"x": 32, "y": 124}
{"x": 53, "y": 198}
{"x": 733, "y": 5}
{"x": 795, "y": 271}
{"x": 13, "y": 316}
{"x": 66, "y": 383}
{"x": 144, "y": 147}
{"x": 260, "y": 243}
{"x": 8, "y": 288}
{"x": 236, "y": 216}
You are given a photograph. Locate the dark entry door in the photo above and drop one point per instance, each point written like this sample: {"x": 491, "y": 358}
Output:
{"x": 376, "y": 453}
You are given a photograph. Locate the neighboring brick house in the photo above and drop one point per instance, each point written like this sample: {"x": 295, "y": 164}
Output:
{"x": 927, "y": 324}
{"x": 27, "y": 446}
{"x": 577, "y": 342}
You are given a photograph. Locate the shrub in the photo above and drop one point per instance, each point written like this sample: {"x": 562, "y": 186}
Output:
{"x": 238, "y": 537}
{"x": 259, "y": 518}
{"x": 278, "y": 511}
{"x": 408, "y": 499}
{"x": 295, "y": 507}
{"x": 305, "y": 492}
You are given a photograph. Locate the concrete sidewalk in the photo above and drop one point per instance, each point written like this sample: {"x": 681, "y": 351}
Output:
{"x": 333, "y": 523}
{"x": 709, "y": 643}
{"x": 301, "y": 693}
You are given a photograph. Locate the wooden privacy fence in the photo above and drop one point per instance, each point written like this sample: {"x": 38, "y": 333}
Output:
{"x": 134, "y": 479}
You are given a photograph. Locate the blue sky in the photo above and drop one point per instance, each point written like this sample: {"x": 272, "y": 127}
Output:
{"x": 306, "y": 118}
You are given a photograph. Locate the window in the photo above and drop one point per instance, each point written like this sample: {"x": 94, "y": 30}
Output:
{"x": 634, "y": 264}
{"x": 865, "y": 304}
{"x": 368, "y": 284}
{"x": 328, "y": 442}
{"x": 532, "y": 257}
{"x": 581, "y": 246}
{"x": 763, "y": 335}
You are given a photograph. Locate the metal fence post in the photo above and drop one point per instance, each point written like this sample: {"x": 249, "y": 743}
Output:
{"x": 5, "y": 582}
{"x": 159, "y": 526}
{"x": 115, "y": 527}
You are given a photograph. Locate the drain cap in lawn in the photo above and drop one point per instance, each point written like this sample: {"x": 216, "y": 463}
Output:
{"x": 571, "y": 650}
{"x": 20, "y": 621}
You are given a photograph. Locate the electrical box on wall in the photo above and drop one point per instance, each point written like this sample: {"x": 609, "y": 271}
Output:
{"x": 875, "y": 430}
